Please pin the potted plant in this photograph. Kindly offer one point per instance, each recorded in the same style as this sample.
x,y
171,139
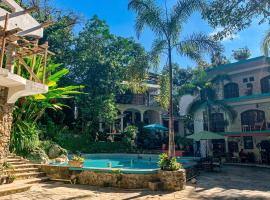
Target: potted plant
x,y
76,161
10,178
168,164
171,174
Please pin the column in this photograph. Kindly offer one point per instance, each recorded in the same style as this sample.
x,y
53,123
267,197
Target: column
x,y
141,112
100,125
133,117
122,121
160,118
5,124
226,145
11,53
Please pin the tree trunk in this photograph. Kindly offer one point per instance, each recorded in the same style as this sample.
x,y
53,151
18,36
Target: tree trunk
x,y
171,149
5,123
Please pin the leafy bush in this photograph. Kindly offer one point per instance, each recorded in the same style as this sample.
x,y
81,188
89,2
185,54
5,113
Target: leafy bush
x,y
24,137
168,164
241,54
78,158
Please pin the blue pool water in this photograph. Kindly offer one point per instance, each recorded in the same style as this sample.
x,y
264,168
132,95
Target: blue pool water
x,y
127,162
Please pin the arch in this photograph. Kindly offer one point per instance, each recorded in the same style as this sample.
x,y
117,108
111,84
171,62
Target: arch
x,y
249,90
151,117
254,119
231,90
131,116
265,84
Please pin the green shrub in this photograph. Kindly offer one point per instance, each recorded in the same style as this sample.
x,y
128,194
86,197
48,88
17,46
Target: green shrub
x,y
24,137
168,164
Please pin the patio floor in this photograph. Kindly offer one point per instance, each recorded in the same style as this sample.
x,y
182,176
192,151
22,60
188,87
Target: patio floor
x,y
233,183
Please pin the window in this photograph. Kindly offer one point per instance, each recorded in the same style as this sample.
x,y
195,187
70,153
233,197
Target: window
x,y
217,122
249,90
245,80
251,79
265,84
231,90
248,142
253,119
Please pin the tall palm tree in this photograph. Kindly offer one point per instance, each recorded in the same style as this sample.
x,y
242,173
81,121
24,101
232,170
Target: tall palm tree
x,y
266,44
167,24
203,87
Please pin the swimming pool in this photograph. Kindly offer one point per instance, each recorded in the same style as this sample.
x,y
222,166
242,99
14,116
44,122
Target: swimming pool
x,y
127,163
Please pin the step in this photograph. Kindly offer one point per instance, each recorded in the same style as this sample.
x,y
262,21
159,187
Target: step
x,y
34,180
14,159
20,176
18,162
22,170
13,188
27,165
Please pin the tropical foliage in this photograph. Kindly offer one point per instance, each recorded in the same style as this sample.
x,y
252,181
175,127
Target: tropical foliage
x,y
266,44
167,25
241,54
203,87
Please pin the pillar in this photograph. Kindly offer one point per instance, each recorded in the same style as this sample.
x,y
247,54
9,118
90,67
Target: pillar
x,y
226,145
122,121
11,54
141,116
133,117
100,125
160,118
5,123
181,128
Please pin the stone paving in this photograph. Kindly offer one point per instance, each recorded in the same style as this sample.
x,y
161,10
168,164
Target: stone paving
x,y
233,183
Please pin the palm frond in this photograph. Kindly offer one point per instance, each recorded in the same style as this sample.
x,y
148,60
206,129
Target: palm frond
x,y
197,44
148,14
157,49
266,44
195,106
181,12
226,108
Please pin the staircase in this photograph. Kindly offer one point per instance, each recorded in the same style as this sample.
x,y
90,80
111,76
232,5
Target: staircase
x,y
26,174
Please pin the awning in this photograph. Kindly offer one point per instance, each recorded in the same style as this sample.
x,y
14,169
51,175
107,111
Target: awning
x,y
156,127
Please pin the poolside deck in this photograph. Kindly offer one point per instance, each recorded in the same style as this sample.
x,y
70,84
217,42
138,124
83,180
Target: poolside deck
x,y
241,183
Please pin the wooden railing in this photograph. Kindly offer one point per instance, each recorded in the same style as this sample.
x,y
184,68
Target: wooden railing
x,y
15,49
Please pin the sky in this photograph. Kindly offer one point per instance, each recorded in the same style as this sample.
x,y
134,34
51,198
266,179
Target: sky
x,y
121,22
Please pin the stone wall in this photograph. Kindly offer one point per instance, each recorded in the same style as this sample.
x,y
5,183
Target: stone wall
x,y
170,180
5,123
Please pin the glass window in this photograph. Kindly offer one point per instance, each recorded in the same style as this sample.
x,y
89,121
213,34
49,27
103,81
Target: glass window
x,y
245,80
265,84
251,78
217,122
254,119
249,90
248,142
231,90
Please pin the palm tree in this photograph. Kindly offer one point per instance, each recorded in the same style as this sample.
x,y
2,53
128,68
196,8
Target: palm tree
x,y
266,43
167,24
203,87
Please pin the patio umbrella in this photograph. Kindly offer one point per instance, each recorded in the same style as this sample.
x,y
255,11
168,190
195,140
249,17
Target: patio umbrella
x,y
205,135
156,127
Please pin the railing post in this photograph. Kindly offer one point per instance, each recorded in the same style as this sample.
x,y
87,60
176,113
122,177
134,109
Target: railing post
x,y
3,41
45,63
33,60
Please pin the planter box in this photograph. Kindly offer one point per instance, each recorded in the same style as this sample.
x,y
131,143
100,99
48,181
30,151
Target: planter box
x,y
173,180
73,163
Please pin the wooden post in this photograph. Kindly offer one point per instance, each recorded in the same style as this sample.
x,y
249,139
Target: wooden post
x,y
19,68
33,61
45,63
3,41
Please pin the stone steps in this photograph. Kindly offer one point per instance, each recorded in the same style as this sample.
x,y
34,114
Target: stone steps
x,y
13,188
20,176
22,170
26,174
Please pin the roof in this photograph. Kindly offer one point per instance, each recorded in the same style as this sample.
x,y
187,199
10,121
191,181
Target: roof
x,y
246,98
232,65
249,133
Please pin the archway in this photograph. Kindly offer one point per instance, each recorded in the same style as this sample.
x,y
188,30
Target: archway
x,y
231,90
253,120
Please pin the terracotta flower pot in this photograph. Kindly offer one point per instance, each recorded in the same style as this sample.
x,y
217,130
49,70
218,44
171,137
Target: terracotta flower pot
x,y
74,163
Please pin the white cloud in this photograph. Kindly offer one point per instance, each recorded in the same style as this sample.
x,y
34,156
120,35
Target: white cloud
x,y
227,38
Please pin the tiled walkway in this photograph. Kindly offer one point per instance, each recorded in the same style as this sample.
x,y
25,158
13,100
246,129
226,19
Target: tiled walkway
x,y
233,183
